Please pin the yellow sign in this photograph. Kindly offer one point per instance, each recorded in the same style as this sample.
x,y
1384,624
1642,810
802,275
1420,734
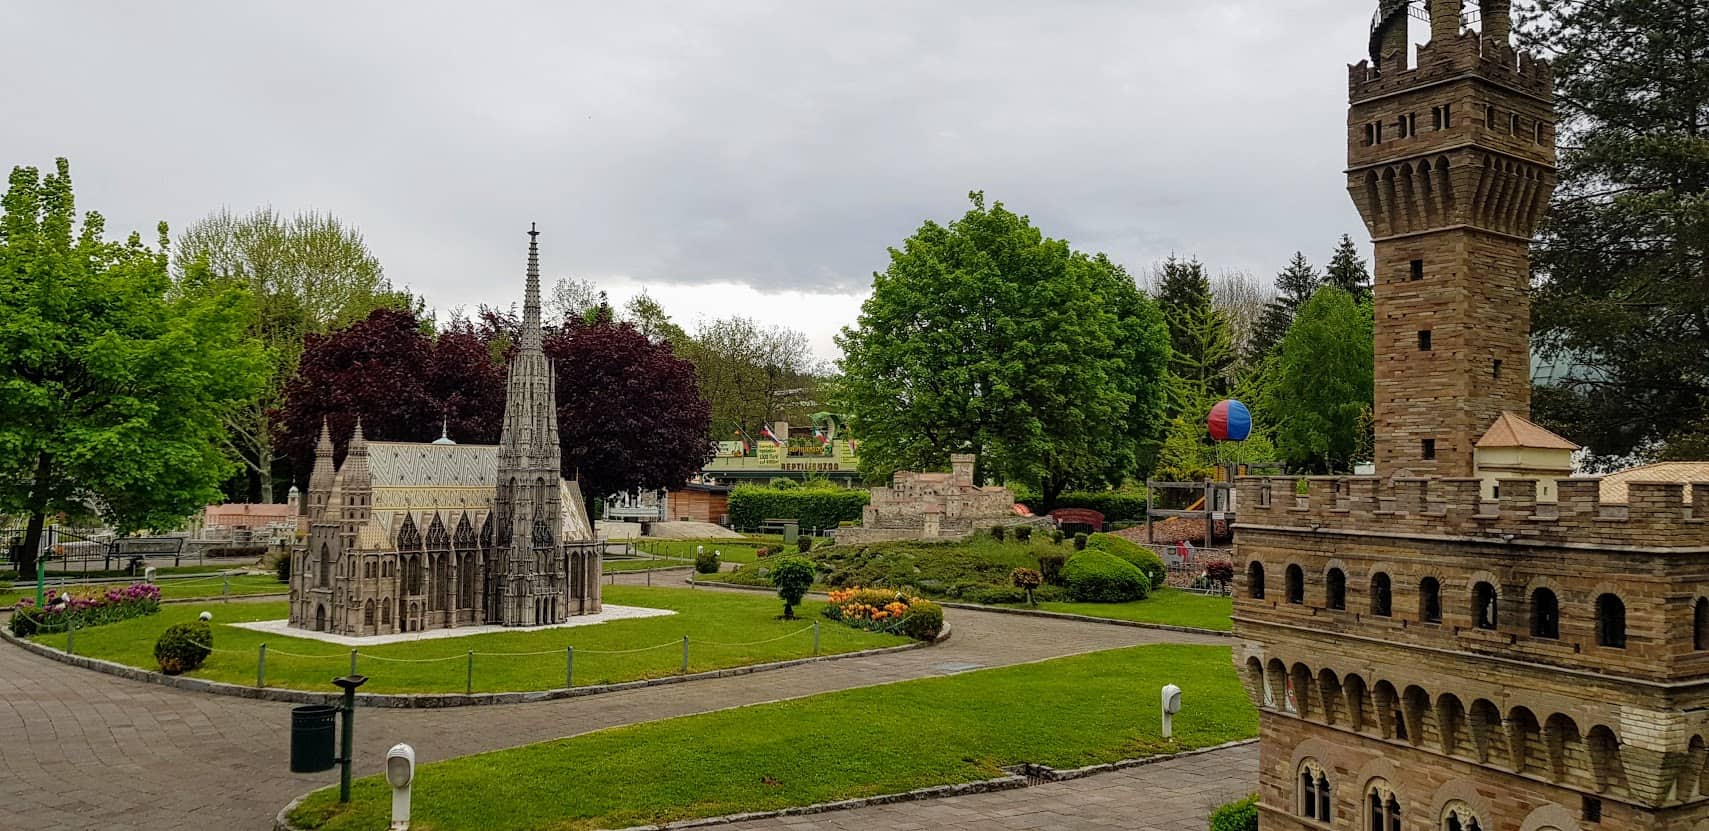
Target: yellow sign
x,y
768,454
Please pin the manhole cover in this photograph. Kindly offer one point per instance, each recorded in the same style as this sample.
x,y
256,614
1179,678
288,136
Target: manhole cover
x,y
952,667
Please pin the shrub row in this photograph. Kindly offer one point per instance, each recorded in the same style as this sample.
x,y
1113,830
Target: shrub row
x,y
85,610
820,507
1236,816
883,610
249,552
1125,505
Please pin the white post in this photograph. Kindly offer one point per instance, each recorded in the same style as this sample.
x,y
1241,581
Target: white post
x,y
400,773
1171,695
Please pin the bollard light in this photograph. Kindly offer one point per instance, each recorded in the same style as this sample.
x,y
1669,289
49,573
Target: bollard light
x,y
1171,706
205,616
400,772
148,574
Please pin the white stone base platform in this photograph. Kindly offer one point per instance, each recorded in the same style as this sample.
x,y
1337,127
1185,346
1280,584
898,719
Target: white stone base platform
x,y
606,614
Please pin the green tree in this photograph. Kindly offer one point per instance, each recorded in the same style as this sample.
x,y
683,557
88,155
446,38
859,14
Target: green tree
x,y
985,335
1201,346
1622,261
1294,286
1323,381
651,320
752,374
793,576
113,388
1347,271
309,274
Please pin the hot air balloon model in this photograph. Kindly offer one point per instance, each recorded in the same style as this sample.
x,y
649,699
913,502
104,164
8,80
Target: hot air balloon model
x,y
1229,421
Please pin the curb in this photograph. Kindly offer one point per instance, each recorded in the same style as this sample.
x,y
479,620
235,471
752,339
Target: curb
x,y
412,701
1024,775
1006,610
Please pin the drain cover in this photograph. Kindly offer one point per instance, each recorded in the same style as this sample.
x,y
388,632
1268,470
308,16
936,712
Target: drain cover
x,y
952,667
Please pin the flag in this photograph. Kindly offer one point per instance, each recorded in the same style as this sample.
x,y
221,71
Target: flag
x,y
765,430
820,435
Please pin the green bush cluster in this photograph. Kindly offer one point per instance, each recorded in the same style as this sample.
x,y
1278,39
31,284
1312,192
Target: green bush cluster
x,y
249,552
1124,505
184,646
813,507
1133,552
1024,533
924,620
1050,565
1236,816
1080,541
1095,576
282,568
706,562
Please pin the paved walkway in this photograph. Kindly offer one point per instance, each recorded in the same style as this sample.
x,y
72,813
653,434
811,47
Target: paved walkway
x,y
83,750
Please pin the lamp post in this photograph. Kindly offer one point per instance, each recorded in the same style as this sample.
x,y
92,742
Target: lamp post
x,y
400,772
347,741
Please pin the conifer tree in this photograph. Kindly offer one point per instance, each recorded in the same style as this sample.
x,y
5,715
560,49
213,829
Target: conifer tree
x,y
1294,286
1348,272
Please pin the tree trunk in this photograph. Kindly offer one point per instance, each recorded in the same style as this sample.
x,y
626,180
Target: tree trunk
x,y
26,558
264,460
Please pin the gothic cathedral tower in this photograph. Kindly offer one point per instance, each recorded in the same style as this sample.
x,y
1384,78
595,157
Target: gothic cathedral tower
x,y
1451,163
529,580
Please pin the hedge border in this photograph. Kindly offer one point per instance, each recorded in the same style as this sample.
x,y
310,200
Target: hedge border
x,y
427,701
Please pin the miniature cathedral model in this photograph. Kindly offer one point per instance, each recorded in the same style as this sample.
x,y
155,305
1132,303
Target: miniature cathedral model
x,y
407,536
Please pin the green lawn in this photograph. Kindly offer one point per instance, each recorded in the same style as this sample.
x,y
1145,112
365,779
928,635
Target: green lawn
x,y
210,586
1065,713
722,628
645,563
1170,606
734,550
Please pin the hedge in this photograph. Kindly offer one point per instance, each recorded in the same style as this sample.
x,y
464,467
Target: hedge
x,y
1133,552
1125,505
1095,576
1236,816
752,505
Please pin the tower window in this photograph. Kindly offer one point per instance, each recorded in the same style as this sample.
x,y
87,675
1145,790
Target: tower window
x,y
1382,601
1412,124
1370,134
1447,116
1417,269
1335,589
1424,340
1296,584
1610,621
1489,116
1495,369
1539,138
1436,118
1483,606
1545,615
1400,128
1379,127
1430,600
1513,125
1427,449
1591,808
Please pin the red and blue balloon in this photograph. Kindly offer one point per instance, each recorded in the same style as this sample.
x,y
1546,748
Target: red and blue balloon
x,y
1229,421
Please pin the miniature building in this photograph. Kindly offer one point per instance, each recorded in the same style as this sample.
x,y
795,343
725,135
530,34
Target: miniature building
x,y
407,536
1424,659
1514,448
930,505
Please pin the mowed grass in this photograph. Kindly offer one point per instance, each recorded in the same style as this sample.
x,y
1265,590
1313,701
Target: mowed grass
x,y
724,629
733,550
1167,606
1067,712
214,586
644,563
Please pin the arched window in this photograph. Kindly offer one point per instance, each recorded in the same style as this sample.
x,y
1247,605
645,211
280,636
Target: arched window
x,y
1430,600
1295,584
1382,599
1458,816
325,569
1255,580
1611,621
1314,792
1545,614
1335,589
1382,808
1700,624
368,613
386,611
1483,605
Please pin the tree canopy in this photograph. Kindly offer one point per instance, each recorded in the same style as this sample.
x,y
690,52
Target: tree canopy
x,y
1347,271
1294,286
1318,401
113,387
985,335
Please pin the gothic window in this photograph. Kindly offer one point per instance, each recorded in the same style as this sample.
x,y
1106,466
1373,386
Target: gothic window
x,y
1314,802
1700,624
1489,116
386,611
464,538
1430,600
1382,808
1458,816
1483,605
1382,600
437,538
1545,615
1513,125
1611,621
368,613
1295,584
325,569
408,537
1335,589
1539,133
1255,580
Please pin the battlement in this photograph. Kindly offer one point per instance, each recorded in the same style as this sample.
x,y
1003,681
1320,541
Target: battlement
x,y
1442,60
1655,515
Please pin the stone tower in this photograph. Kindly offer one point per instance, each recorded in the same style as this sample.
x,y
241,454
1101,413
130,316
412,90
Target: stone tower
x,y
1451,163
1423,658
529,581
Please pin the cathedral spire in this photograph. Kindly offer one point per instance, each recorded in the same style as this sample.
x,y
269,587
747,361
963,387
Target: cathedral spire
x,y
531,299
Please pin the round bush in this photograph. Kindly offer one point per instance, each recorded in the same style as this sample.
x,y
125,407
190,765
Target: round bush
x,y
997,532
1056,536
803,544
1133,552
706,562
1024,533
1050,567
1095,576
183,646
924,620
282,568
1080,541
1236,816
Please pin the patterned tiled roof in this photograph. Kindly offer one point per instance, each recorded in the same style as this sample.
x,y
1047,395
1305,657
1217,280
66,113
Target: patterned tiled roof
x,y
1510,430
422,479
397,464
1614,484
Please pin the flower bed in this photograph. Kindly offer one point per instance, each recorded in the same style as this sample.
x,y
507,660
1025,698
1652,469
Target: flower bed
x,y
85,609
883,610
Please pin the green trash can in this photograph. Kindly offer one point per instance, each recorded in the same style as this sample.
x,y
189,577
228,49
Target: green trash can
x,y
313,737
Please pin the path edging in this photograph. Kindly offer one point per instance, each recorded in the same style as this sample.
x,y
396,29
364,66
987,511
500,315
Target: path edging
x,y
429,700
1007,610
1023,776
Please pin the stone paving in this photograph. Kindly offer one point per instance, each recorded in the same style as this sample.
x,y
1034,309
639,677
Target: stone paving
x,y
83,750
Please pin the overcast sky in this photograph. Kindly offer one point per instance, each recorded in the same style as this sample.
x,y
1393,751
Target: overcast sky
x,y
753,157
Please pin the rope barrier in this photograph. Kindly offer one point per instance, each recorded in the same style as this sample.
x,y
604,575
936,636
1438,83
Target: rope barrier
x,y
757,643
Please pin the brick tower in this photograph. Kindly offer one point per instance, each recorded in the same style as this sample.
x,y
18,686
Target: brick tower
x,y
1451,164
1424,659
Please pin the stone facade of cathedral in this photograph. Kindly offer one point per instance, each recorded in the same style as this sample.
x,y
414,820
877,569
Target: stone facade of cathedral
x,y
404,537
1424,658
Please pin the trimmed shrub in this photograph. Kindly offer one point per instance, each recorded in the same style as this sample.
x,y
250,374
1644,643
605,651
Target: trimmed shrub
x,y
283,568
803,544
1026,580
924,620
817,507
1095,576
998,532
184,646
792,576
1133,552
1056,536
1220,571
1024,533
1236,816
996,595
1123,505
783,483
252,552
1050,567
1080,541
706,562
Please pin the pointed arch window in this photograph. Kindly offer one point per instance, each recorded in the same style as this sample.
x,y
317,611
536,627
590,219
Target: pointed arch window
x,y
324,570
1314,801
1382,807
1458,816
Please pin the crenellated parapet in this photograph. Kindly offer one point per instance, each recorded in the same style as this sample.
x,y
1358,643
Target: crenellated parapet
x,y
1656,514
1441,60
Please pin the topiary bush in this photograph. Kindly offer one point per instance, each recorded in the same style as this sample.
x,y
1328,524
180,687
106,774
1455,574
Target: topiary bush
x,y
1050,567
1236,816
1056,536
706,562
1080,541
1133,552
803,544
813,507
792,576
1220,571
1026,580
184,646
1024,533
998,532
923,621
283,568
1095,576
